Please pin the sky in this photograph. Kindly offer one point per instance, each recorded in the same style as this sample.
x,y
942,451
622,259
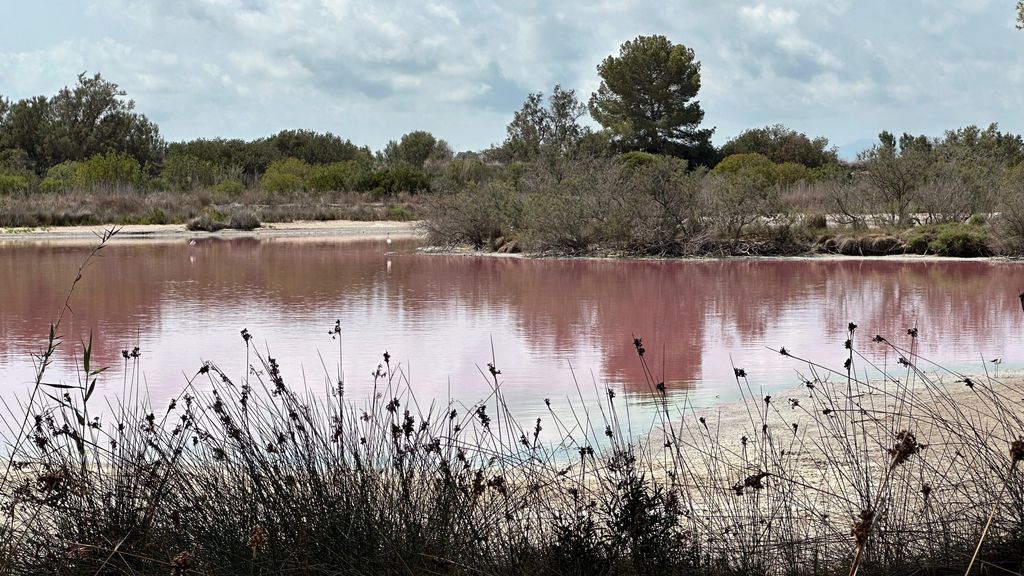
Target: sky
x,y
371,71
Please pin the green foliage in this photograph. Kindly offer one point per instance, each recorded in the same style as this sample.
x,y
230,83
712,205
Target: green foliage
x,y
79,122
392,180
550,132
314,147
646,99
462,172
636,159
754,169
228,187
962,240
416,149
25,127
781,145
111,170
12,183
895,172
186,172
400,214
743,192
337,176
155,216
285,176
788,173
251,158
15,160
63,177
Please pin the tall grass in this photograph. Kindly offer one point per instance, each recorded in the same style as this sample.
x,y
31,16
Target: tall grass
x,y
883,464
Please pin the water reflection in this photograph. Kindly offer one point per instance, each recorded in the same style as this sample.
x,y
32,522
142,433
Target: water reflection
x,y
440,315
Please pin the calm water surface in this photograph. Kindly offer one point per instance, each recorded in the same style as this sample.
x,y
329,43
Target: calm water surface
x,y
439,316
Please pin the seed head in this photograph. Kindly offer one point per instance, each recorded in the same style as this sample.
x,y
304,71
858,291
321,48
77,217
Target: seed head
x,y
258,539
1017,451
906,446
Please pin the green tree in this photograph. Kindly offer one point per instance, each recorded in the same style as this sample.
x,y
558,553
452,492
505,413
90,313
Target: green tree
x,y
314,147
24,126
416,149
552,131
781,144
895,170
1020,15
186,172
646,99
250,158
94,117
285,176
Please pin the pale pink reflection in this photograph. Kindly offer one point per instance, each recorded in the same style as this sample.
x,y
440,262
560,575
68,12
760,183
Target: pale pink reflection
x,y
439,316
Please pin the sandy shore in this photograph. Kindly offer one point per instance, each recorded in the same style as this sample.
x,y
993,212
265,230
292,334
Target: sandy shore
x,y
325,229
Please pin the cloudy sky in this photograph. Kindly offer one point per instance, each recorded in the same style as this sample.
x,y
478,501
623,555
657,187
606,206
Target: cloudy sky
x,y
372,71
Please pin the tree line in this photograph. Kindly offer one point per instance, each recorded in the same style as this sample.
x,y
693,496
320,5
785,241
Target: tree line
x,y
649,124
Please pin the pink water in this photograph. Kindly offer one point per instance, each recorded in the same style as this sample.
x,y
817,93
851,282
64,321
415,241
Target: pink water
x,y
439,316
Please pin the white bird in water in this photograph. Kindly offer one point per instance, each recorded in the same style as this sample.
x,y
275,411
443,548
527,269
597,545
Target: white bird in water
x,y
191,242
388,239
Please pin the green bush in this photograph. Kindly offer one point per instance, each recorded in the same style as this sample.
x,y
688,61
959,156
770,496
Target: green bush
x,y
390,181
11,183
285,176
400,214
110,170
335,177
186,172
281,183
63,177
962,240
155,216
229,187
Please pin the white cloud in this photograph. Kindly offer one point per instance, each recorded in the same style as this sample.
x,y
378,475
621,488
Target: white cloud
x,y
372,70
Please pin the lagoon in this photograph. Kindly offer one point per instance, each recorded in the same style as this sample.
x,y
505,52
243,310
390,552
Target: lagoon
x,y
556,328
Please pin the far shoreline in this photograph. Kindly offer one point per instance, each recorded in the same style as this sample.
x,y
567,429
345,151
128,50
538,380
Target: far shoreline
x,y
357,229
810,256
326,229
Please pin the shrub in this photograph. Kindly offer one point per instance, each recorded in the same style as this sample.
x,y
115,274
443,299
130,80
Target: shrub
x,y
110,170
335,177
398,178
461,172
477,215
400,214
155,216
962,240
63,177
281,183
205,223
285,176
246,220
11,183
186,172
228,187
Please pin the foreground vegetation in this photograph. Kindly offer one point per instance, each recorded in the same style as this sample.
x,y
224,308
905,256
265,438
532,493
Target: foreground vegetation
x,y
865,469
